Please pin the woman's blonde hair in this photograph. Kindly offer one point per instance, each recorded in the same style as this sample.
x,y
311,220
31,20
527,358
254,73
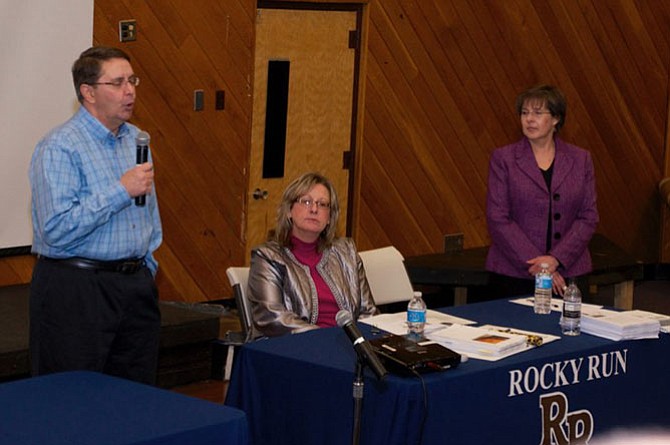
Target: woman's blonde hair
x,y
298,188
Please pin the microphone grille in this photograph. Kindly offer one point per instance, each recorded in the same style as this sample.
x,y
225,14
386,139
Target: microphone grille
x,y
343,317
142,138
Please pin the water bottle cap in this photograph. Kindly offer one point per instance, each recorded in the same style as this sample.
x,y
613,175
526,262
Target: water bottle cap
x,y
418,294
544,265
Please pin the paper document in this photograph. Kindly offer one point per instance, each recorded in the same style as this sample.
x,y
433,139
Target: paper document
x,y
556,304
489,342
479,342
397,323
533,338
664,320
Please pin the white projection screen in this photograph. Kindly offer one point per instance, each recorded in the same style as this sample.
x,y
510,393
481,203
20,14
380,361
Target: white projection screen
x,y
40,41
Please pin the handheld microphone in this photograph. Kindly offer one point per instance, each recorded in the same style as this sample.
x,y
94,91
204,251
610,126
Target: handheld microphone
x,y
365,352
142,142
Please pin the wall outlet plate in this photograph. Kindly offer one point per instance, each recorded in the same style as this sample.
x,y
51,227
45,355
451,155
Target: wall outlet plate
x,y
453,242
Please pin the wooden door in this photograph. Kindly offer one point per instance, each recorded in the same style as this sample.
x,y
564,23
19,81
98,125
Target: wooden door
x,y
319,110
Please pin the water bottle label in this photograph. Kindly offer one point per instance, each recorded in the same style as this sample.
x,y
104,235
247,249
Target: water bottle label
x,y
416,316
543,281
572,310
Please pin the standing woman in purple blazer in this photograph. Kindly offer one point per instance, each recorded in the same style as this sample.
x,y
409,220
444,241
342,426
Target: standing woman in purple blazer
x,y
541,199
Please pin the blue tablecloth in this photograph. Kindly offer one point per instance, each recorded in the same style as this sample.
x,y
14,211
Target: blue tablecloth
x,y
298,389
89,408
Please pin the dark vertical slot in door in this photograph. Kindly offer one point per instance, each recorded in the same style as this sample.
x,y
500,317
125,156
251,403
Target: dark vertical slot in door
x,y
274,148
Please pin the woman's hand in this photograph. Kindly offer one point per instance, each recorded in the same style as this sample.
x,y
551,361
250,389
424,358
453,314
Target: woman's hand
x,y
557,280
558,283
535,264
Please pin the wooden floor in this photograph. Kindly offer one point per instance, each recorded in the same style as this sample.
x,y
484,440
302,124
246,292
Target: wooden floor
x,y
211,390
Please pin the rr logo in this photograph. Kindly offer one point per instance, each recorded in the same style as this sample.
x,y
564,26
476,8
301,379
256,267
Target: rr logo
x,y
560,427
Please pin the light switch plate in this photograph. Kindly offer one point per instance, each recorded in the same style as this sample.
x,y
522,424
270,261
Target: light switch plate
x,y
198,100
127,30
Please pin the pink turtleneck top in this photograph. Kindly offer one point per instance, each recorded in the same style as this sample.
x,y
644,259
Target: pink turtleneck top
x,y
308,255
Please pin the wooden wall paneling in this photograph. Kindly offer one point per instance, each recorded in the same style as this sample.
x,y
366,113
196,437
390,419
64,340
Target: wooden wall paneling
x,y
434,102
630,140
664,245
664,202
643,66
465,115
16,269
403,174
412,116
385,196
477,24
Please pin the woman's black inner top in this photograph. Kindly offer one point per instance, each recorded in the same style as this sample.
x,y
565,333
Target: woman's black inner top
x,y
548,173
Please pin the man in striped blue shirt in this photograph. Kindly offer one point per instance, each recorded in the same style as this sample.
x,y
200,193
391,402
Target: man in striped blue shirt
x,y
93,302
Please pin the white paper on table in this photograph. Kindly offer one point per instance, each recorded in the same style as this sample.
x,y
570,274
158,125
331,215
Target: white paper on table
x,y
397,323
556,304
621,325
663,319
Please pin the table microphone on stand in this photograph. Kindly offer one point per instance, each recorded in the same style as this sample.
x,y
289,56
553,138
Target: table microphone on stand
x,y
366,356
365,351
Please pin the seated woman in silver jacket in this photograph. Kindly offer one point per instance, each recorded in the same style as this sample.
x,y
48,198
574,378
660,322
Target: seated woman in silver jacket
x,y
304,274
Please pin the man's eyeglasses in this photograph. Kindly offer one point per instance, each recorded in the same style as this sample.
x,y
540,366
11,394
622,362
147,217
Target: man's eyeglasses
x,y
118,83
309,203
534,113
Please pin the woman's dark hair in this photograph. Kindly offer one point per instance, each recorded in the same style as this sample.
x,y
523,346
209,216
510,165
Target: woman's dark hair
x,y
548,95
86,69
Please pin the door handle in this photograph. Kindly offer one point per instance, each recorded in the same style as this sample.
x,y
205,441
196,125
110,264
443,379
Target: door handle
x,y
260,194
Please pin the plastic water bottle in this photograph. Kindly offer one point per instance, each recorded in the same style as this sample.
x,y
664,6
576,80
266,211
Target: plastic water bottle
x,y
571,319
542,299
416,315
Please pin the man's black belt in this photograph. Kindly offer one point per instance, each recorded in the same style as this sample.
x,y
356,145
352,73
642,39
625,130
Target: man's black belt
x,y
127,266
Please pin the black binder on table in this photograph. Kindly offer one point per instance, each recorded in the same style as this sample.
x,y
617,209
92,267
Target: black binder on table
x,y
405,356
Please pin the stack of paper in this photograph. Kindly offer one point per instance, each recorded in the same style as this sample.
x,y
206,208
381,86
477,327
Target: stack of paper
x,y
664,320
480,342
620,325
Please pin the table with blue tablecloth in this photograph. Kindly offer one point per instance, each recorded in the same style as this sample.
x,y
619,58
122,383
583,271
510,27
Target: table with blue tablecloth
x,y
298,389
83,407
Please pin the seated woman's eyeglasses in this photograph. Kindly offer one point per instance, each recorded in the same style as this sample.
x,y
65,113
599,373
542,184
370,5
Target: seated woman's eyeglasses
x,y
308,203
121,81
